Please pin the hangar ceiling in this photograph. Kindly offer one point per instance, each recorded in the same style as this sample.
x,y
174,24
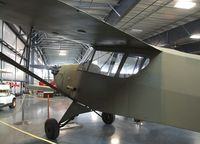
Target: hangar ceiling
x,y
144,19
60,50
151,17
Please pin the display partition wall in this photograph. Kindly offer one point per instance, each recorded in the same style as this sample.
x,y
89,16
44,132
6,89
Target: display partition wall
x,y
14,43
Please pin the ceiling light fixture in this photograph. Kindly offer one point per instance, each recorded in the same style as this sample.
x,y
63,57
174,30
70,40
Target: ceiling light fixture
x,y
185,4
136,30
62,53
195,36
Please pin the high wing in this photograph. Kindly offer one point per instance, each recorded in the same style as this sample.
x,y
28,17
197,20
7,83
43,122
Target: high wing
x,y
166,92
58,18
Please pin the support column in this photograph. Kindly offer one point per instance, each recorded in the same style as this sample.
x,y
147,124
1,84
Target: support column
x,y
32,63
29,45
1,77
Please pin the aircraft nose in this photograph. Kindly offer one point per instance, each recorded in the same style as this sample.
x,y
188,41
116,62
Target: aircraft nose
x,y
55,70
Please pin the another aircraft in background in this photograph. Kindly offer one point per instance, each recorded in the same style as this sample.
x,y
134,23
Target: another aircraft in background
x,y
133,80
4,71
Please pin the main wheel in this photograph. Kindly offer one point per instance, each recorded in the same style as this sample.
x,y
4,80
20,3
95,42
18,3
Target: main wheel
x,y
13,105
137,120
108,118
52,129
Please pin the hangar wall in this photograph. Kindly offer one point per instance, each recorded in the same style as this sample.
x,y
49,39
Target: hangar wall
x,y
13,46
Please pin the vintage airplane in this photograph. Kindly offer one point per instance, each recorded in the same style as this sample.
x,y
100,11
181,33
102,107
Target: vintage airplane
x,y
41,86
136,80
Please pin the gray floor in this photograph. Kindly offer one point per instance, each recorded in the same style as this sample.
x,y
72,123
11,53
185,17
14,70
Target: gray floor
x,y
86,128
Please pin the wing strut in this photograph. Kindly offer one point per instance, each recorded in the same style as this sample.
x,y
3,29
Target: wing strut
x,y
51,125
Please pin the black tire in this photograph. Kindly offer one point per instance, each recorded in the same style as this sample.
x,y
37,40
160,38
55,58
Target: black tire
x,y
108,118
51,129
137,120
13,105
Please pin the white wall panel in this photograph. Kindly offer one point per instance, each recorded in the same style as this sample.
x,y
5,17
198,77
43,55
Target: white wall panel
x,y
10,68
20,75
9,36
20,46
8,52
0,28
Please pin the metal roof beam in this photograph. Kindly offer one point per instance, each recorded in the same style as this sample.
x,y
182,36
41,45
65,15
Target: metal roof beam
x,y
88,4
176,36
190,48
120,11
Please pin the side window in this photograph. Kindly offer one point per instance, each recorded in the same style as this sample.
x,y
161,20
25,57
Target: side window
x,y
109,63
102,60
146,62
105,63
84,63
133,65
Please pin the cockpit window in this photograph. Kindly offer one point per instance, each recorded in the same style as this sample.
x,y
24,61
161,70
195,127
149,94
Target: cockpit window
x,y
146,62
115,64
133,65
108,62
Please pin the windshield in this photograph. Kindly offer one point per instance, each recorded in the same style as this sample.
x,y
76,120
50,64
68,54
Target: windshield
x,y
108,62
115,64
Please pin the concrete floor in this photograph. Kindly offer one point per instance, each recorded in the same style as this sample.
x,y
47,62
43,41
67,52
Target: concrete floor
x,y
86,128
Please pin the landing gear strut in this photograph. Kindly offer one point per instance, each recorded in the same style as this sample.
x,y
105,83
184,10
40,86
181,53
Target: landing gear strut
x,y
52,127
108,118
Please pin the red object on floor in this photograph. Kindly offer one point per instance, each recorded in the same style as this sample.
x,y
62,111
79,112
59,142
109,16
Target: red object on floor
x,y
45,95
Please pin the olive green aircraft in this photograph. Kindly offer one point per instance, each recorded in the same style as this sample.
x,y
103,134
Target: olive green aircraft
x,y
122,76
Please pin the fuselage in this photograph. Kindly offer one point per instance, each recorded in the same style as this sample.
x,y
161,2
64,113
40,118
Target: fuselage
x,y
167,91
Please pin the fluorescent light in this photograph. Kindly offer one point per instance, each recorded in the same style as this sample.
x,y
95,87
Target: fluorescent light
x,y
115,140
94,117
195,36
136,30
95,62
185,4
62,53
